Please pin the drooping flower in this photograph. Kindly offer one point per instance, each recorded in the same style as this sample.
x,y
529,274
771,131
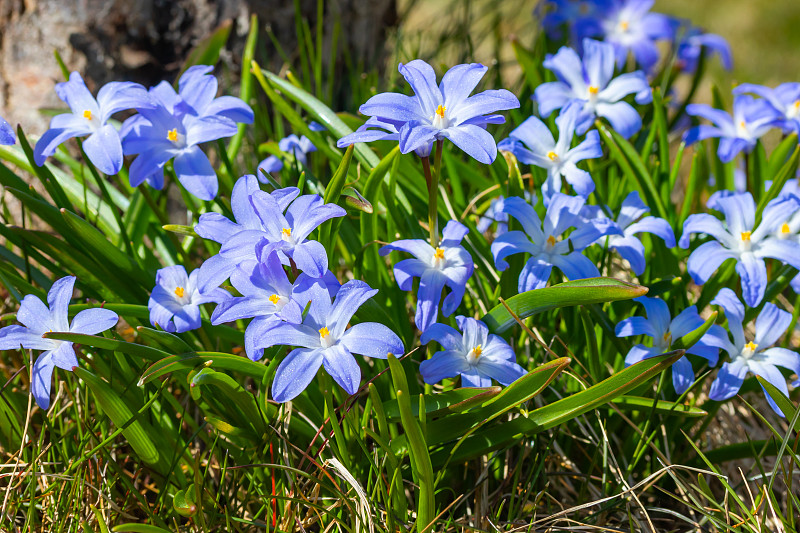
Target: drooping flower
x,y
694,41
299,148
476,355
38,319
785,99
544,242
631,28
631,221
754,356
175,302
590,82
7,135
267,297
751,120
240,237
288,234
441,112
448,265
323,339
90,117
738,239
663,329
174,129
533,144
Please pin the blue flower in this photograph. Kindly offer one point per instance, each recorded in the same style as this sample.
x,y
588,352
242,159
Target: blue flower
x,y
477,355
694,41
377,129
754,356
738,239
751,120
90,117
323,339
174,304
494,214
441,112
449,264
663,329
7,135
629,222
174,129
267,297
297,147
590,82
533,144
559,12
38,319
785,99
543,240
631,28
240,237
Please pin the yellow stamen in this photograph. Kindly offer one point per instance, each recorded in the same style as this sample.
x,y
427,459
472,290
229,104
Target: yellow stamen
x,y
552,155
743,125
797,104
324,332
172,134
286,232
440,111
624,25
87,115
179,292
275,299
785,228
593,90
477,351
551,240
751,346
439,253
746,236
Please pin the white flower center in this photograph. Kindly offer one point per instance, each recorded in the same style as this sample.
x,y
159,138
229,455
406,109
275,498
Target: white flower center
x,y
439,119
746,243
176,138
749,350
182,296
474,354
439,260
278,301
326,340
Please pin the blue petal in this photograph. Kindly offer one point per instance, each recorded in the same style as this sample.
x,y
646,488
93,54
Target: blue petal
x,y
551,96
682,375
231,108
484,103
636,325
422,78
623,118
706,259
105,149
350,297
196,174
295,373
729,380
311,258
510,243
428,297
42,378
656,226
734,312
372,340
58,298
631,249
443,365
7,135
393,106
93,321
447,337
534,275
657,313
459,81
504,372
771,323
342,367
14,337
51,139
576,266
753,272
687,321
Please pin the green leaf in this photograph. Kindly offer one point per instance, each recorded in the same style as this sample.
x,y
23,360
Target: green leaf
x,y
140,435
578,292
180,230
188,361
136,350
231,395
784,404
662,407
207,51
168,341
184,503
452,401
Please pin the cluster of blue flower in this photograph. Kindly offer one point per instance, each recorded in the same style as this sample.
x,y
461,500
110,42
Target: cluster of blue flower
x,y
293,299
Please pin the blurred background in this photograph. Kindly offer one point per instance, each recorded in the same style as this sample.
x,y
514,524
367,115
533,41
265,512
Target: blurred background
x,y
148,40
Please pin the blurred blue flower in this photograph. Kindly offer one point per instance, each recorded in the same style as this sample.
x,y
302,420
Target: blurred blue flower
x,y
90,117
750,121
174,128
694,41
494,213
445,111
38,319
174,304
476,355
590,82
663,329
630,221
755,356
323,339
738,239
631,28
785,99
448,265
7,135
543,240
532,143
554,14
291,144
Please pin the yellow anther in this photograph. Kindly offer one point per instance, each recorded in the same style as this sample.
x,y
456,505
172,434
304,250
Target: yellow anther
x,y
751,346
593,90
477,351
172,134
552,155
286,232
624,25
551,240
87,115
785,228
797,104
746,236
668,338
439,253
743,125
440,111
179,292
324,332
275,299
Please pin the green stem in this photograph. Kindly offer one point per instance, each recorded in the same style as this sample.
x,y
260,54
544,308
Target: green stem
x,y
433,192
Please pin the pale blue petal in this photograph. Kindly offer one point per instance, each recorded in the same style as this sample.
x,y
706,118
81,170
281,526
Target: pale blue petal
x,y
295,373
